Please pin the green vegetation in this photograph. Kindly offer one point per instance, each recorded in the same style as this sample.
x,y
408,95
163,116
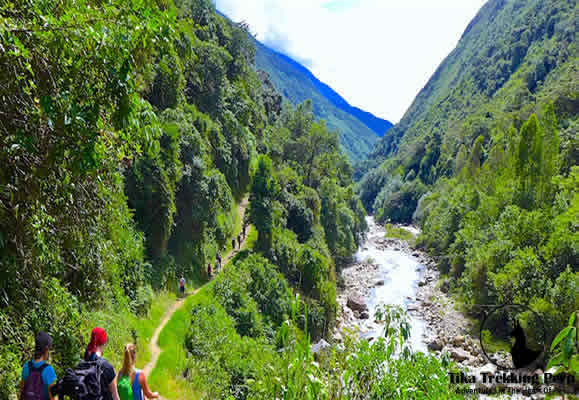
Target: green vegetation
x,y
398,233
130,131
225,364
566,357
485,160
167,377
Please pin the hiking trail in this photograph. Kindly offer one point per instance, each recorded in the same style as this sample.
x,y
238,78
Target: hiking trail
x,y
153,345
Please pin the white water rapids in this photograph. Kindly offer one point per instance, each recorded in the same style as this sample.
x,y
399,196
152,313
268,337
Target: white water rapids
x,y
401,273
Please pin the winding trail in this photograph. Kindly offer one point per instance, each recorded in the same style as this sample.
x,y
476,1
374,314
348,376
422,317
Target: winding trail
x,y
153,345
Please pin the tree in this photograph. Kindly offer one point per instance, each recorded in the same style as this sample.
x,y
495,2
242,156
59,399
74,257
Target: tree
x,y
475,159
264,193
529,160
551,144
460,160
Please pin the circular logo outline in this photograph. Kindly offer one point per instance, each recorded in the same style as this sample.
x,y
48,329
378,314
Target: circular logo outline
x,y
495,309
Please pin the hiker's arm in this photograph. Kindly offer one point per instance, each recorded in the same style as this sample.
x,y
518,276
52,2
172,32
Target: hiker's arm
x,y
145,387
113,389
50,395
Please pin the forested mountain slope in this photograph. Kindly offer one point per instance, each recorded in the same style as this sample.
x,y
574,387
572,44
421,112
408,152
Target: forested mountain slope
x,y
513,56
485,159
129,131
358,129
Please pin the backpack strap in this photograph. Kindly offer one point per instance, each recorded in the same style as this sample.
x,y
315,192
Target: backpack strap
x,y
41,369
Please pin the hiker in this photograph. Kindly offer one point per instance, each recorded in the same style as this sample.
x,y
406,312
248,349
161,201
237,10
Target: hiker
x,y
244,229
233,244
132,383
209,270
182,286
239,241
38,377
218,257
94,352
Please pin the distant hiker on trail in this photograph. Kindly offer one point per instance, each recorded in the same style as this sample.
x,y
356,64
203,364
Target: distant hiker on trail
x,y
94,352
244,229
239,241
209,270
218,258
38,377
233,244
132,383
182,286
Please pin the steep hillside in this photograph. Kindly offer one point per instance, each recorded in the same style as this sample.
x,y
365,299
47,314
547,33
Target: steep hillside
x,y
486,161
512,57
126,141
358,129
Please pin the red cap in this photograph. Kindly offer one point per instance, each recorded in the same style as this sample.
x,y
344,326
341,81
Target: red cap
x,y
98,337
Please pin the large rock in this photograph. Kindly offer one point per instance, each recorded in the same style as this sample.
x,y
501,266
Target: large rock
x,y
459,355
364,315
435,345
458,340
320,346
356,303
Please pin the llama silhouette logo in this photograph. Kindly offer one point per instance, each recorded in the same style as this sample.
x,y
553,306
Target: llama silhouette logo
x,y
512,336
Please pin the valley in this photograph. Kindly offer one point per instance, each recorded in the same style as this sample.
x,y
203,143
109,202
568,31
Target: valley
x,y
141,141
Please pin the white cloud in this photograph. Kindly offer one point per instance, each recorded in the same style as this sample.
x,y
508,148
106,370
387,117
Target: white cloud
x,y
376,53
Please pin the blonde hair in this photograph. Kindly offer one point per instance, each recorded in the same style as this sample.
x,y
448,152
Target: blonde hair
x,y
129,359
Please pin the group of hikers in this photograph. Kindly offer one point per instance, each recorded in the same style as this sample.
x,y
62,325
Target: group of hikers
x,y
93,378
235,245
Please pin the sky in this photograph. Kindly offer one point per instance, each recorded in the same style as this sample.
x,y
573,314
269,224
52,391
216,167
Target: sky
x,y
377,54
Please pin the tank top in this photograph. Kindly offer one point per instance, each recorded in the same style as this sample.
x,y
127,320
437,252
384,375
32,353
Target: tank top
x,y
137,390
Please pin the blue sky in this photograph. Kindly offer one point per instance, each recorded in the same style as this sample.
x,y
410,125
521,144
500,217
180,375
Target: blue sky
x,y
376,53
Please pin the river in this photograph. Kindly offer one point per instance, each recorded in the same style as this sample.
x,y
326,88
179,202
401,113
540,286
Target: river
x,y
385,271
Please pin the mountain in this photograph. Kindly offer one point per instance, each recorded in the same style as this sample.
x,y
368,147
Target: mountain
x,y
513,56
358,129
486,161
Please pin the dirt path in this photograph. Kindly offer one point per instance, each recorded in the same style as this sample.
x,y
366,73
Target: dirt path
x,y
153,345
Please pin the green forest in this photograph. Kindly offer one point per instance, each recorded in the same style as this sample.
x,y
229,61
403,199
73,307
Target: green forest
x,y
485,161
132,130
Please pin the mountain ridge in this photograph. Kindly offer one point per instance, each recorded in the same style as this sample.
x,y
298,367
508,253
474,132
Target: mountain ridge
x,y
358,129
377,124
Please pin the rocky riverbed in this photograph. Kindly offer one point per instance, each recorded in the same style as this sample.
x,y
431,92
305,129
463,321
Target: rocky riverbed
x,y
389,271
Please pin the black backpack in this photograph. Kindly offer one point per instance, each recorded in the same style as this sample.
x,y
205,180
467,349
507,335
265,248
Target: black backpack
x,y
33,387
82,382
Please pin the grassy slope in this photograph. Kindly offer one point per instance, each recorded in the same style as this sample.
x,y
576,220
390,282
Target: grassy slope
x,y
167,376
356,138
120,326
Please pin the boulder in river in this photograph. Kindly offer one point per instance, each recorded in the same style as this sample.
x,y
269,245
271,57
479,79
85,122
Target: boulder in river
x,y
435,345
380,282
459,355
458,340
356,303
364,315
320,346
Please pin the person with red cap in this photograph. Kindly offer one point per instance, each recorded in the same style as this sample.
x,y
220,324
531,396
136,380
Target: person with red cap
x,y
94,351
